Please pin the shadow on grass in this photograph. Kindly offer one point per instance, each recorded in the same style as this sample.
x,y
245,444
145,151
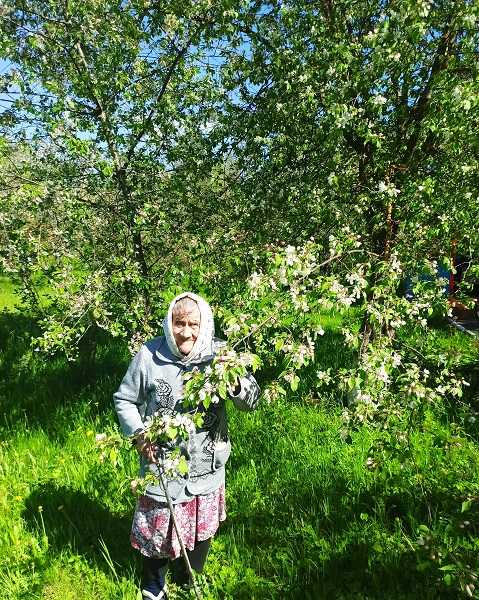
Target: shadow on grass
x,y
72,520
327,530
318,556
44,391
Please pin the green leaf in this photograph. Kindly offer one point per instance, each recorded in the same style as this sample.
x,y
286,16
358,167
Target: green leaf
x,y
223,390
450,567
182,466
255,362
294,383
198,420
172,433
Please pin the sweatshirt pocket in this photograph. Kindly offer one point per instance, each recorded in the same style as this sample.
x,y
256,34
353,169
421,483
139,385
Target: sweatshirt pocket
x,y
222,453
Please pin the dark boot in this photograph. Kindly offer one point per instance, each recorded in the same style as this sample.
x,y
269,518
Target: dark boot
x,y
153,586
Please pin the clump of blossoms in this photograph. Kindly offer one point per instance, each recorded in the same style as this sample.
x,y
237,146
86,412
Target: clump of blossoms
x,y
291,270
165,431
297,354
385,387
109,446
161,428
285,301
205,387
202,388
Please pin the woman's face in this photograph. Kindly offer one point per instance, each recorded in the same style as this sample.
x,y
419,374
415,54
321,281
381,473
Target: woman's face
x,y
186,327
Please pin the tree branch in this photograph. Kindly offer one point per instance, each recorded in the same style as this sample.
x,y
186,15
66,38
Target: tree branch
x,y
101,110
419,110
146,124
119,167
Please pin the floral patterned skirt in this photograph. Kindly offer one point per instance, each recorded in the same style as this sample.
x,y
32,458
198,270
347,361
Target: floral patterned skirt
x,y
154,535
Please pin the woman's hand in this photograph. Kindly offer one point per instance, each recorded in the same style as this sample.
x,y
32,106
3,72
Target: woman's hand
x,y
146,448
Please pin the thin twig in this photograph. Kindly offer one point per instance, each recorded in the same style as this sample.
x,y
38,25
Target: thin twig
x,y
178,533
412,349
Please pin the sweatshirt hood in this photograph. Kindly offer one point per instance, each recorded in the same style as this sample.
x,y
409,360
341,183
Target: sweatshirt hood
x,y
203,348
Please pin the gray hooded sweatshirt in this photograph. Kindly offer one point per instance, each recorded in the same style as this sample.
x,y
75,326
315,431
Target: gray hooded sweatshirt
x,y
154,384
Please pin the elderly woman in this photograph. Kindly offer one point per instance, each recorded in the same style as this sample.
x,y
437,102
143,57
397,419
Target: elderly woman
x,y
153,384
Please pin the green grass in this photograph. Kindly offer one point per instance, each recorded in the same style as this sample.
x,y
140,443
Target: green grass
x,y
306,518
9,299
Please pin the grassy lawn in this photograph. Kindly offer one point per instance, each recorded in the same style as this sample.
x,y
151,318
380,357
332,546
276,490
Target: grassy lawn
x,y
9,299
306,518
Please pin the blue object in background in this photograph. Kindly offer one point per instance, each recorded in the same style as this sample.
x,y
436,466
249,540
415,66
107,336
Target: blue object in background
x,y
441,272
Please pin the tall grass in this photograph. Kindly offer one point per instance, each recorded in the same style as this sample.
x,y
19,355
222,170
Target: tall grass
x,y
306,517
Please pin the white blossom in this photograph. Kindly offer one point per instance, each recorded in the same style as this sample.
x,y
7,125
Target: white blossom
x,y
388,188
379,100
396,359
291,256
254,281
382,374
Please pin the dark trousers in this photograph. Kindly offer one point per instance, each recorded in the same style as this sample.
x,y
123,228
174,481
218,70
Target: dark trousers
x,y
154,569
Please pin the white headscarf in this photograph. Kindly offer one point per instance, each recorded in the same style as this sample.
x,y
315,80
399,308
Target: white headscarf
x,y
203,347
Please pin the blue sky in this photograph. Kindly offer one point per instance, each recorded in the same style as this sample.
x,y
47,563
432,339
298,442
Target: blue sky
x,y
4,98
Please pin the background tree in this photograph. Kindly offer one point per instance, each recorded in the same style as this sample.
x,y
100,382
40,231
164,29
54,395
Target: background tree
x,y
115,102
353,108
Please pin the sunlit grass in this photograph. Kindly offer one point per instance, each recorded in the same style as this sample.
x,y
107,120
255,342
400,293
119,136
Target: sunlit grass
x,y
9,298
